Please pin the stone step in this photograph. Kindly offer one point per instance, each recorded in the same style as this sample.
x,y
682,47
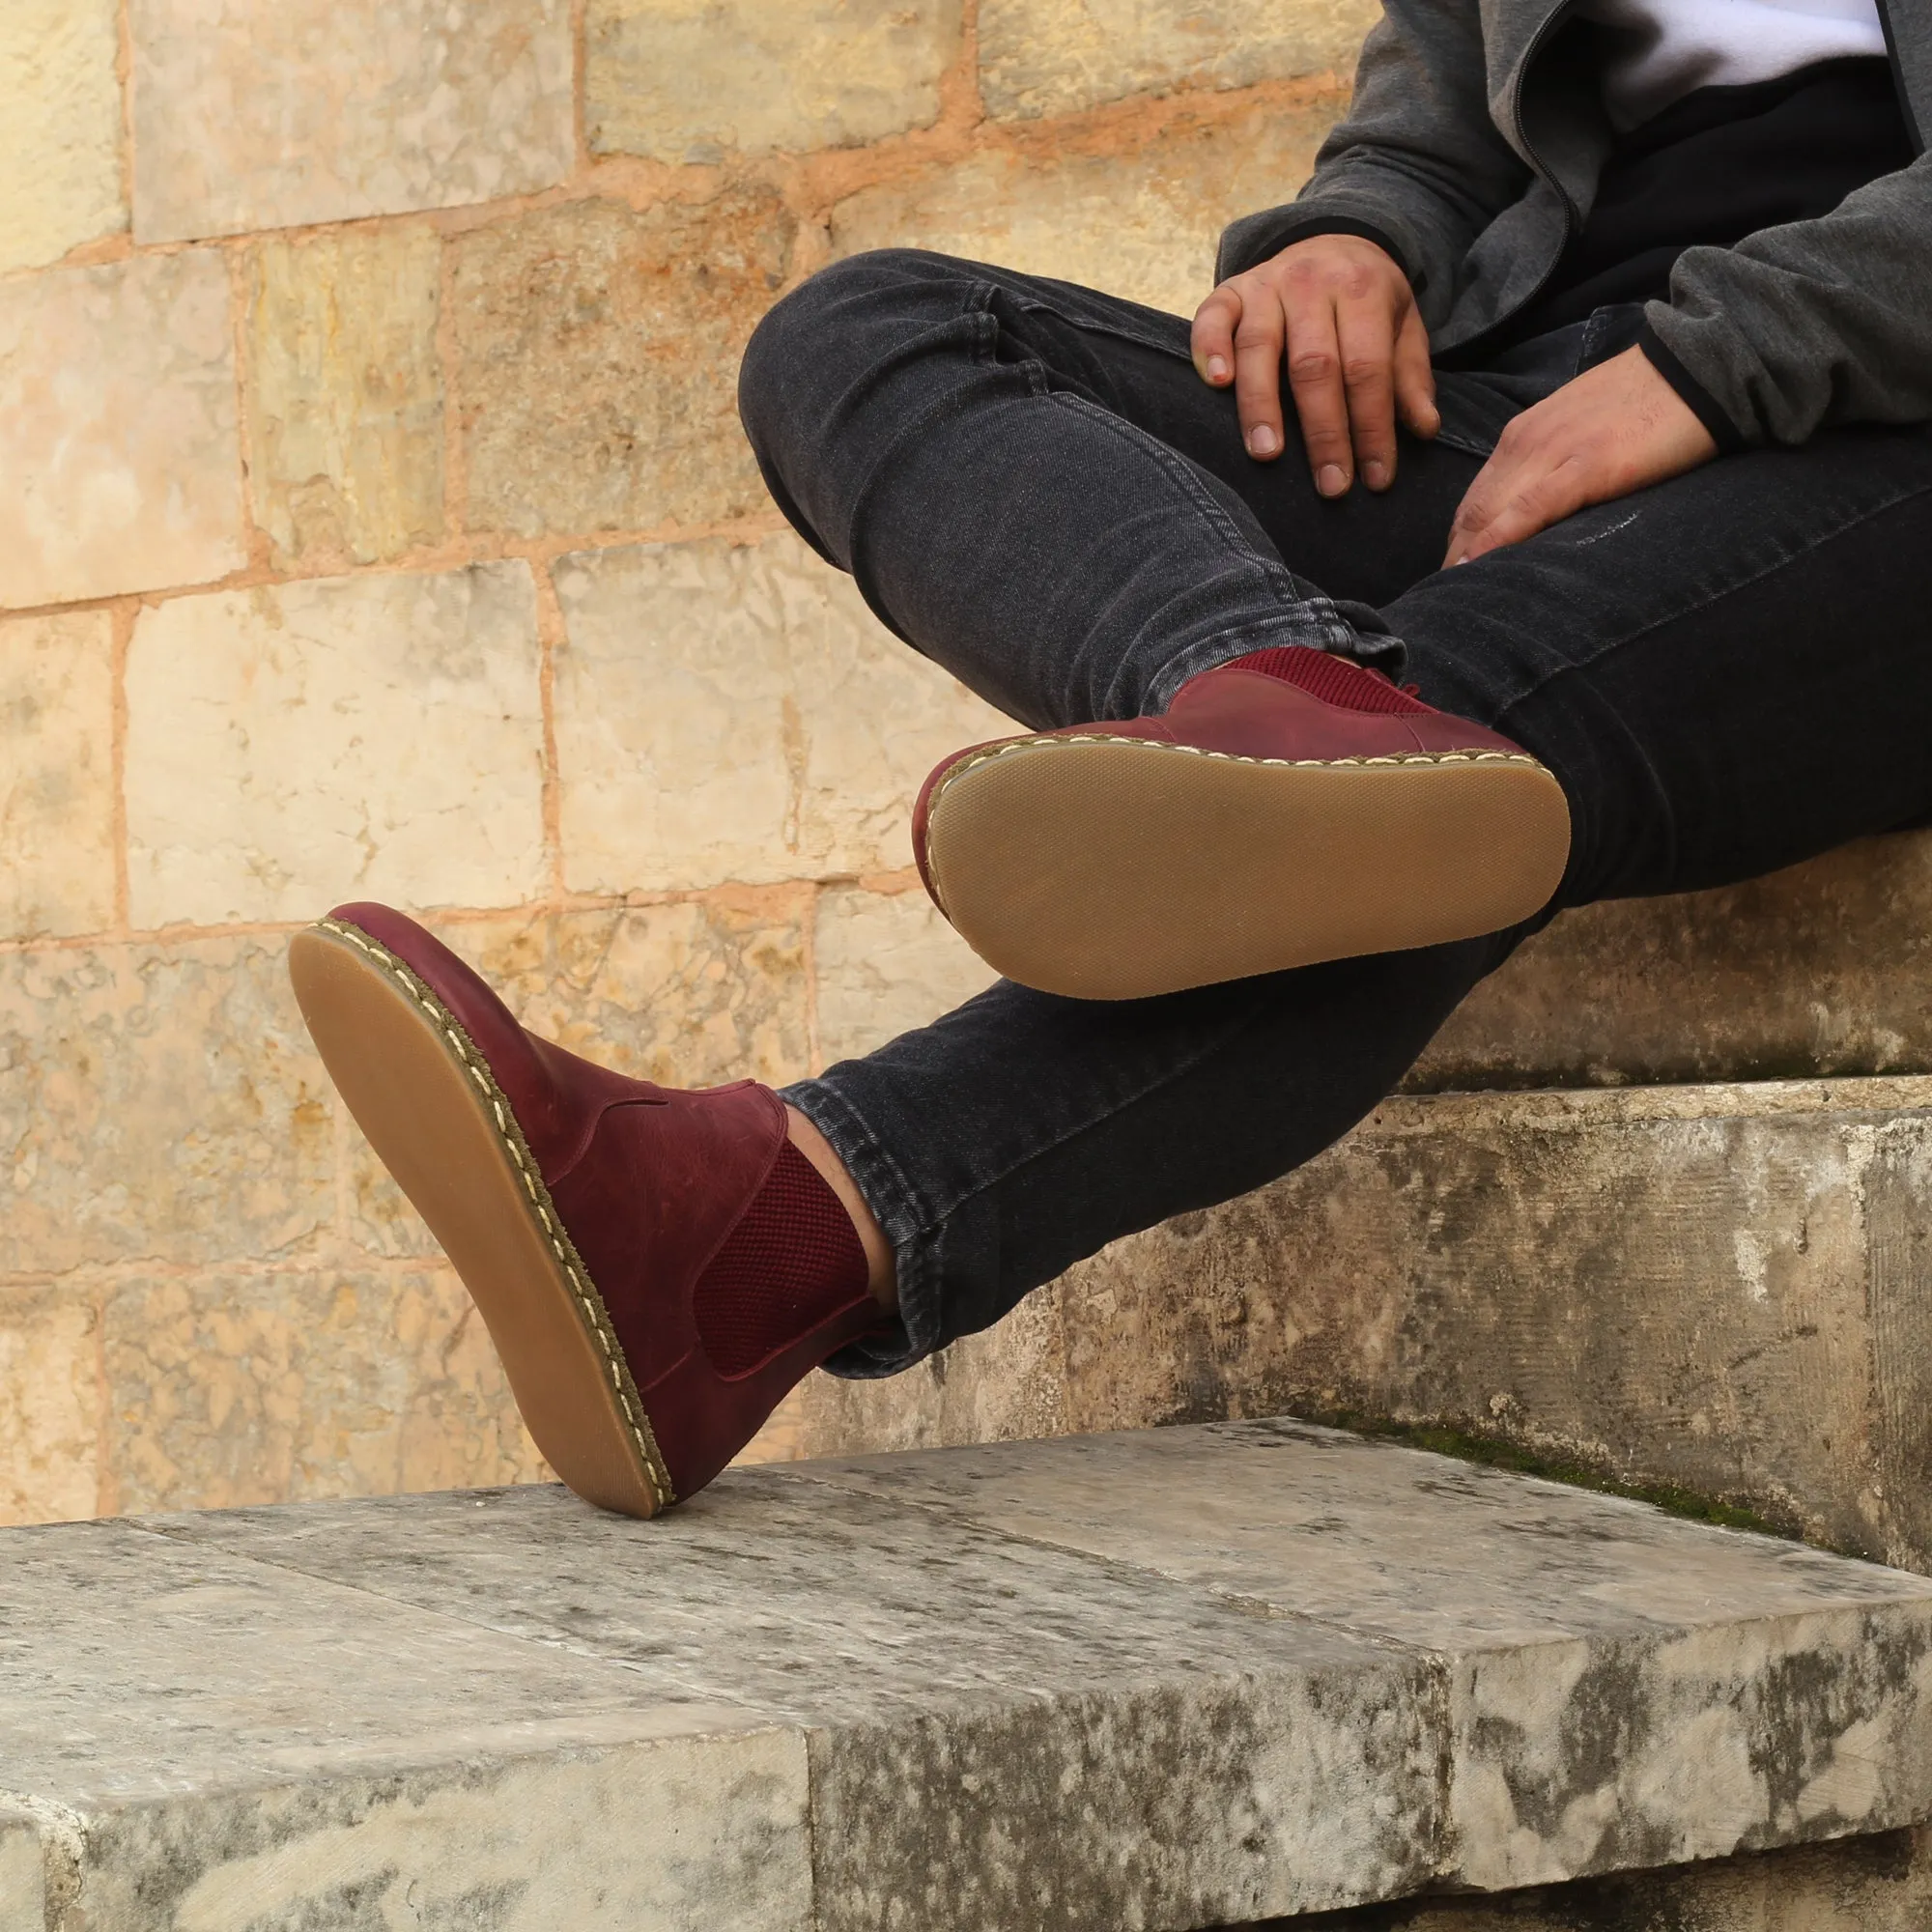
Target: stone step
x,y
1818,970
1722,1290
1877,1884
1182,1678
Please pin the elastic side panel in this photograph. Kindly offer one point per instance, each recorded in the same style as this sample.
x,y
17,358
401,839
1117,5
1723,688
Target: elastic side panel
x,y
792,1262
1337,681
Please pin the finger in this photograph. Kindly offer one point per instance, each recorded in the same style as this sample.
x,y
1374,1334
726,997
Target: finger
x,y
1492,487
1533,498
1535,505
1368,380
1321,402
1213,336
1518,518
1517,457
1416,377
1257,348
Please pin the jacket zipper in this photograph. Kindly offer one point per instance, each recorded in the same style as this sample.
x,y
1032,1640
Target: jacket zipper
x,y
1898,80
1573,216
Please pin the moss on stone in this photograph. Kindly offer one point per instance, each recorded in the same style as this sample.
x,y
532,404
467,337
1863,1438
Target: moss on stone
x,y
1498,1453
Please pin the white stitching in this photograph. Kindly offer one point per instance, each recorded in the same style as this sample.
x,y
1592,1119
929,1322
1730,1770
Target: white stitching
x,y
511,1136
1237,758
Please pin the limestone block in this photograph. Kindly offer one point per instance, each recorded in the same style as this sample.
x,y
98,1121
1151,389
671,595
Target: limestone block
x,y
1193,1676
732,712
346,401
50,1424
1607,1708
873,719
1716,1288
1142,225
692,80
57,782
117,412
158,1103
1877,1884
887,962
1039,57
231,1389
23,1882
691,994
229,1744
60,130
529,1843
293,747
999,1727
1823,968
324,110
598,352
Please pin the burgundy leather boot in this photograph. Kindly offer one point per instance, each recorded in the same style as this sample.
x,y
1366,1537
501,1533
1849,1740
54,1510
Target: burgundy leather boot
x,y
657,1268
1289,807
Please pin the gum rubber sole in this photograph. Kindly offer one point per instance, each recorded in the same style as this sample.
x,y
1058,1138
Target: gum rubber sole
x,y
424,1096
1116,869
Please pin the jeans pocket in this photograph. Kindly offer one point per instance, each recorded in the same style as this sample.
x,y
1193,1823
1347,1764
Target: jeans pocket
x,y
1609,331
1101,314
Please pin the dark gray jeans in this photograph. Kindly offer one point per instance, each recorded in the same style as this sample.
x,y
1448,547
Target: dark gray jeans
x,y
1727,673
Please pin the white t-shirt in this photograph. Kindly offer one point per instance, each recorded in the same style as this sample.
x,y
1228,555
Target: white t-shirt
x,y
1668,47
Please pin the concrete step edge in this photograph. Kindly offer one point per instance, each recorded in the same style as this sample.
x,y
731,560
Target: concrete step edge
x,y
1170,1679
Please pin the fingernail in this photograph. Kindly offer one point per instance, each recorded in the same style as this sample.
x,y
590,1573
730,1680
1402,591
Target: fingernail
x,y
1376,475
1330,480
1261,441
1218,369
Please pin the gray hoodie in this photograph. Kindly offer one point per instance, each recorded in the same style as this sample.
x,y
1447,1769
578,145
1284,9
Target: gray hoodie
x,y
1474,146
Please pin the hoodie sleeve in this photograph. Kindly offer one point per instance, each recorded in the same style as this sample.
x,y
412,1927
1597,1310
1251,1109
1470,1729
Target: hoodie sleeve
x,y
1817,323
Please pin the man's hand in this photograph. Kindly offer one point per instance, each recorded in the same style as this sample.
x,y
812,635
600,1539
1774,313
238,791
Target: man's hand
x,y
1338,311
1616,428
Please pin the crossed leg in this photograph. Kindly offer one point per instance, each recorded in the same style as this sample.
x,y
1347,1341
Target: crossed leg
x,y
1031,486
1724,674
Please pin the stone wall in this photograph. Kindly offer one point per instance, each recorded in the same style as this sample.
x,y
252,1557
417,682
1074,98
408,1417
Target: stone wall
x,y
374,522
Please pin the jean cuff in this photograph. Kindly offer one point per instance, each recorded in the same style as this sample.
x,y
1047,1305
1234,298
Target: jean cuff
x,y
915,1332
1322,624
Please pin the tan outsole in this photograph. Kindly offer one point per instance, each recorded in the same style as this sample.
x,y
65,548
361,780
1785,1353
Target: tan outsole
x,y
1116,869
424,1095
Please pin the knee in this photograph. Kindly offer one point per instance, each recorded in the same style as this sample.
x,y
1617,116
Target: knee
x,y
819,338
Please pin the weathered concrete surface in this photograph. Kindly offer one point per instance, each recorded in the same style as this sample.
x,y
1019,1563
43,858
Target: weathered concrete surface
x,y
1575,1670
1823,968
1717,1288
1881,1884
1184,1678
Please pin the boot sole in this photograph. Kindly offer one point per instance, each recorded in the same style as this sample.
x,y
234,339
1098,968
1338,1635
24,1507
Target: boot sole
x,y
1116,869
431,1108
